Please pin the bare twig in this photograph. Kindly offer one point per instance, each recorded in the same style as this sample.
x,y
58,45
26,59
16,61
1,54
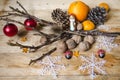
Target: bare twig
x,y
14,14
94,33
16,10
20,45
41,21
17,14
22,7
11,20
44,55
39,46
4,16
66,34
48,36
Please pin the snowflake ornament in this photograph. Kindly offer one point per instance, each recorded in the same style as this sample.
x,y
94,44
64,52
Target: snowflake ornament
x,y
51,66
106,43
92,64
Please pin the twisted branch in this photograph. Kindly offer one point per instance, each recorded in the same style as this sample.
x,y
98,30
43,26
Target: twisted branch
x,y
44,55
94,33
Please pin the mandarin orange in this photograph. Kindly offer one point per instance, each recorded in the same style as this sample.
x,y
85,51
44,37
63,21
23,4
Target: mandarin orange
x,y
104,5
88,25
79,10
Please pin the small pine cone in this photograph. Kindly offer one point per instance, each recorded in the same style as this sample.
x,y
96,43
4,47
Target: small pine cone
x,y
97,15
61,17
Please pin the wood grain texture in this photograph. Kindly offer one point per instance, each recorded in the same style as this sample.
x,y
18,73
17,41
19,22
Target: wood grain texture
x,y
14,63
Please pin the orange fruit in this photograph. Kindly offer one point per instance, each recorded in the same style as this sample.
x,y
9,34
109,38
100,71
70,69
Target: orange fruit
x,y
88,25
104,5
79,10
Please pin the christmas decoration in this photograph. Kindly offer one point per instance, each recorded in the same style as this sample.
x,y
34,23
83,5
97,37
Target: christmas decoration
x,y
97,15
51,66
68,54
76,28
92,64
61,17
79,9
72,23
61,47
88,25
101,53
43,39
76,53
77,38
24,39
106,43
71,44
30,24
10,29
43,56
89,39
79,26
25,50
104,5
65,33
84,46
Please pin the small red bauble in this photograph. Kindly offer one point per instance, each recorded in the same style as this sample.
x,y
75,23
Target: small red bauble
x,y
30,24
68,54
10,29
101,53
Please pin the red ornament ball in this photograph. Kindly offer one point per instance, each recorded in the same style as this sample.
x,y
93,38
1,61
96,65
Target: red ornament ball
x,y
68,54
30,24
101,53
10,29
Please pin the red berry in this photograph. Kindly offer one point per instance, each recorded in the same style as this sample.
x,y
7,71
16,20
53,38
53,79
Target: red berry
x,y
101,53
68,54
30,24
10,29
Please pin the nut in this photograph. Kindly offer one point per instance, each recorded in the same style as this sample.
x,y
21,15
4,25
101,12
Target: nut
x,y
77,38
71,43
61,47
84,46
79,26
43,39
89,39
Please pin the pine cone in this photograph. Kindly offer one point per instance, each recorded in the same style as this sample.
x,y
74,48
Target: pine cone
x,y
61,17
97,15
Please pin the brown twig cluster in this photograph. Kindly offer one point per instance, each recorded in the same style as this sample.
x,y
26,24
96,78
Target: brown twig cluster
x,y
64,34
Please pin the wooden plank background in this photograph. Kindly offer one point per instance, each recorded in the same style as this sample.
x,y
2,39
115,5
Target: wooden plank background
x,y
14,63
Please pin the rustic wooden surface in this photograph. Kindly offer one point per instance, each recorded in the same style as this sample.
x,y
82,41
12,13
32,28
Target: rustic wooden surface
x,y
14,63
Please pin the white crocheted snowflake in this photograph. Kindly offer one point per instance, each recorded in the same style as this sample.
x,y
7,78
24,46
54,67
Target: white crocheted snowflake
x,y
106,43
92,64
51,66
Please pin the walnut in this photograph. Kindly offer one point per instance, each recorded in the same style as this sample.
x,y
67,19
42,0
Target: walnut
x,y
61,47
84,46
77,38
71,43
79,26
43,39
89,39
